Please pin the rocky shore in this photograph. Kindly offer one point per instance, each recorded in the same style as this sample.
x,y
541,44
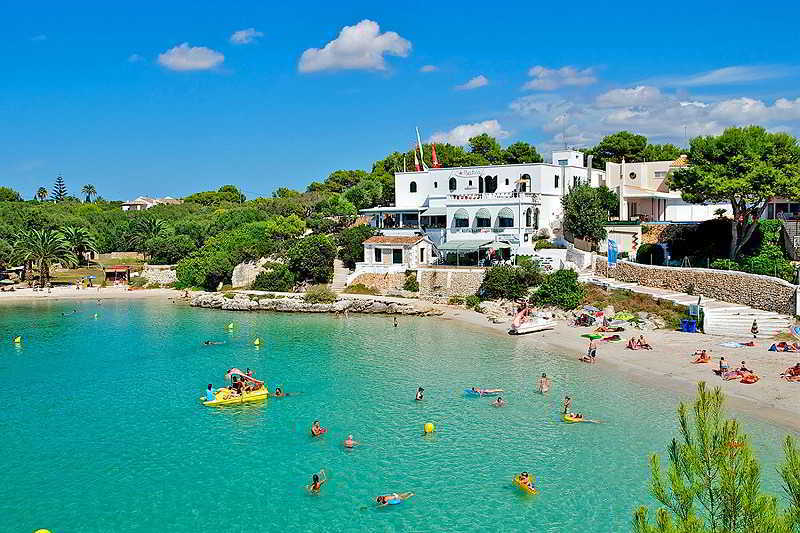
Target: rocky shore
x,y
284,303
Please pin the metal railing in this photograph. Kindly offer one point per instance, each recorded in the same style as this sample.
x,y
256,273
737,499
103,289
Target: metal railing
x,y
493,196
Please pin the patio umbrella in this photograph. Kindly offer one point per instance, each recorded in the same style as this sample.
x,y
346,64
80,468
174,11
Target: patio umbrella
x,y
497,245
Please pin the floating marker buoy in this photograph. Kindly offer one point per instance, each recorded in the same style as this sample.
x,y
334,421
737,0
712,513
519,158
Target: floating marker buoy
x,y
95,316
257,342
42,531
17,340
429,427
229,326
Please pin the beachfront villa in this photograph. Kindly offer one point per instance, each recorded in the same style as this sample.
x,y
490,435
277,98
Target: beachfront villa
x,y
143,203
469,208
397,253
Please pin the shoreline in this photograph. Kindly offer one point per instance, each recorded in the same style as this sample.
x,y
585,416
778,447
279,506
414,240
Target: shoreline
x,y
667,366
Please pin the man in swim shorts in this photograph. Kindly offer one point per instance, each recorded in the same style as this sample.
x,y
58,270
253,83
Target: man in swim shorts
x,y
544,383
420,390
592,351
349,442
567,404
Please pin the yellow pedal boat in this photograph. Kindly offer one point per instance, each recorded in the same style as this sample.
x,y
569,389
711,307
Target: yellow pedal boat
x,y
227,397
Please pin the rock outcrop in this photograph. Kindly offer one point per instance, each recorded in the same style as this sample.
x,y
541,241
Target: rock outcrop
x,y
245,273
263,301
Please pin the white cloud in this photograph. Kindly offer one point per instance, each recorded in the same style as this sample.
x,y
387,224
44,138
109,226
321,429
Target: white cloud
x,y
461,134
546,79
135,58
246,36
428,68
38,38
641,95
478,81
184,57
727,76
357,47
659,116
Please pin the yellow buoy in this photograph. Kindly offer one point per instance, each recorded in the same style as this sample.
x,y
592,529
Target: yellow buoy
x,y
229,326
257,342
17,340
429,427
42,531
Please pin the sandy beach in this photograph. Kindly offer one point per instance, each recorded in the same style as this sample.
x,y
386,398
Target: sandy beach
x,y
94,293
668,365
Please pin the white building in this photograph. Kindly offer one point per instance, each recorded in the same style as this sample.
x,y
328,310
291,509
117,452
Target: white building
x,y
468,207
645,195
396,253
145,202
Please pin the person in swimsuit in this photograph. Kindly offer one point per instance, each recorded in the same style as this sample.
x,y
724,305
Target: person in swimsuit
x,y
349,442
592,352
499,402
278,392
723,365
525,479
317,482
395,497
420,390
567,404
316,430
210,393
544,383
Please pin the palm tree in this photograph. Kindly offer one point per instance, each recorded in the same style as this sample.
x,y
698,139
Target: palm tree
x,y
43,247
88,190
79,241
41,194
144,229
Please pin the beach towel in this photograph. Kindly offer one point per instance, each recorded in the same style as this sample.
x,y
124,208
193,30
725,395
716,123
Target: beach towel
x,y
795,332
624,315
593,336
732,344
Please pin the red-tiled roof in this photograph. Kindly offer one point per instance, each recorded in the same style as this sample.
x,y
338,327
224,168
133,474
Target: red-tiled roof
x,y
381,239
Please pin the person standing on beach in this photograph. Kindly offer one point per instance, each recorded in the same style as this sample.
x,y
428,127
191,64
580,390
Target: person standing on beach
x,y
754,329
544,383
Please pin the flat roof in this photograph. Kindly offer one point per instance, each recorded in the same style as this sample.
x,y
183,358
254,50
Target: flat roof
x,y
394,239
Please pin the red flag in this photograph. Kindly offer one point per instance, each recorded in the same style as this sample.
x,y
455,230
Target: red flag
x,y
435,160
416,161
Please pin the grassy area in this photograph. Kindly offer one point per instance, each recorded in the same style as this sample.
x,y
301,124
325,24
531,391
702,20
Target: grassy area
x,y
623,300
68,276
359,288
127,261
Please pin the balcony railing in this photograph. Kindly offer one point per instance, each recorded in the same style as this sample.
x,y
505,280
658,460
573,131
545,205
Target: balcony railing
x,y
526,196
492,230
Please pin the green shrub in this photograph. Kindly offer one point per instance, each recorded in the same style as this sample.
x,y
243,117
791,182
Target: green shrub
x,y
543,244
319,294
769,262
351,244
503,281
622,255
278,278
152,286
561,288
473,302
311,258
411,284
529,271
228,295
455,300
168,249
650,254
360,288
724,264
138,281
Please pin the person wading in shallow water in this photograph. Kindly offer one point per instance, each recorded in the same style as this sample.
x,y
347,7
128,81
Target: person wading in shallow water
x,y
567,404
754,329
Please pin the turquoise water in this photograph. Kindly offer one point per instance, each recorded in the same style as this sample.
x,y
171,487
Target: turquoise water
x,y
102,431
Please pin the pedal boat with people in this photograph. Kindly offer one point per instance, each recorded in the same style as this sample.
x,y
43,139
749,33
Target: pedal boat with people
x,y
254,390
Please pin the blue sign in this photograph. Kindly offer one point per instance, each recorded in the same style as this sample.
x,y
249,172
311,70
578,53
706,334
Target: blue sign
x,y
612,252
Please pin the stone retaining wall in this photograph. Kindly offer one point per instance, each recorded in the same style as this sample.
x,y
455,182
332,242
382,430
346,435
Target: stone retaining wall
x,y
161,274
760,292
381,282
442,283
263,301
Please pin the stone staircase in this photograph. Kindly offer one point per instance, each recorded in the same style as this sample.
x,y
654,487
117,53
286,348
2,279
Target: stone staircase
x,y
719,318
340,273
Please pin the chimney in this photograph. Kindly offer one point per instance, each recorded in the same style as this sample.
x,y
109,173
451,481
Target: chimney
x,y
589,169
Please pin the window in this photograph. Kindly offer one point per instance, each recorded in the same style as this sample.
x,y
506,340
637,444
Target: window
x,y
462,222
660,174
422,255
490,184
412,187
452,184
378,255
483,219
435,185
576,180
555,183
506,181
397,256
460,219
563,162
505,218
470,183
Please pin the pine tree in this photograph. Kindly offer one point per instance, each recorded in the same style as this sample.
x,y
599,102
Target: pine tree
x,y
59,192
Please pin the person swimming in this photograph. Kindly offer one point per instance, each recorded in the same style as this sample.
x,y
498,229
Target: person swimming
x,y
499,402
527,480
317,480
349,442
393,498
316,430
420,390
212,343
544,383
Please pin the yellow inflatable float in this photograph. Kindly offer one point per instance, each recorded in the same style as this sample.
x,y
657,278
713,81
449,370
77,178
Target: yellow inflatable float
x,y
17,340
257,342
573,419
429,427
524,486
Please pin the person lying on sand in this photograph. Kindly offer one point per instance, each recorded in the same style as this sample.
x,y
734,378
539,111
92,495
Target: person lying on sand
x,y
702,357
792,373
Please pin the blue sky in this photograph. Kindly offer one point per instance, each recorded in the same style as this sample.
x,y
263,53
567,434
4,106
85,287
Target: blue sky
x,y
265,95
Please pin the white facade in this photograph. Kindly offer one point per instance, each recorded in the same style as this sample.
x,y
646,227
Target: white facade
x,y
145,202
494,202
392,254
645,195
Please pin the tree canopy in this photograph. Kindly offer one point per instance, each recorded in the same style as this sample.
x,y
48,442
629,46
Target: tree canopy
x,y
586,212
744,166
631,147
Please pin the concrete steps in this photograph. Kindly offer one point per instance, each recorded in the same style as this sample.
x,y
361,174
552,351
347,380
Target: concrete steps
x,y
340,273
719,318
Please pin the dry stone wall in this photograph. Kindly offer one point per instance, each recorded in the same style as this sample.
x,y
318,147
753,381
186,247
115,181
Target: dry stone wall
x,y
161,274
381,282
441,283
760,292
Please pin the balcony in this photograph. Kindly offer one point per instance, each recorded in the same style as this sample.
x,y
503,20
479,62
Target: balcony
x,y
504,197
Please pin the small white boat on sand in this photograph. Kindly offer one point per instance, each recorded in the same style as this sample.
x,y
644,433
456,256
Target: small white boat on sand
x,y
523,323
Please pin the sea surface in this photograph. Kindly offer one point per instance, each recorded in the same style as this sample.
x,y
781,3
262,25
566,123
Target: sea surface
x,y
102,429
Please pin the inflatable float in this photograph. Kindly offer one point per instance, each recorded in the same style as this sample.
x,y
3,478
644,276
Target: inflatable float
x,y
524,487
572,420
483,392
